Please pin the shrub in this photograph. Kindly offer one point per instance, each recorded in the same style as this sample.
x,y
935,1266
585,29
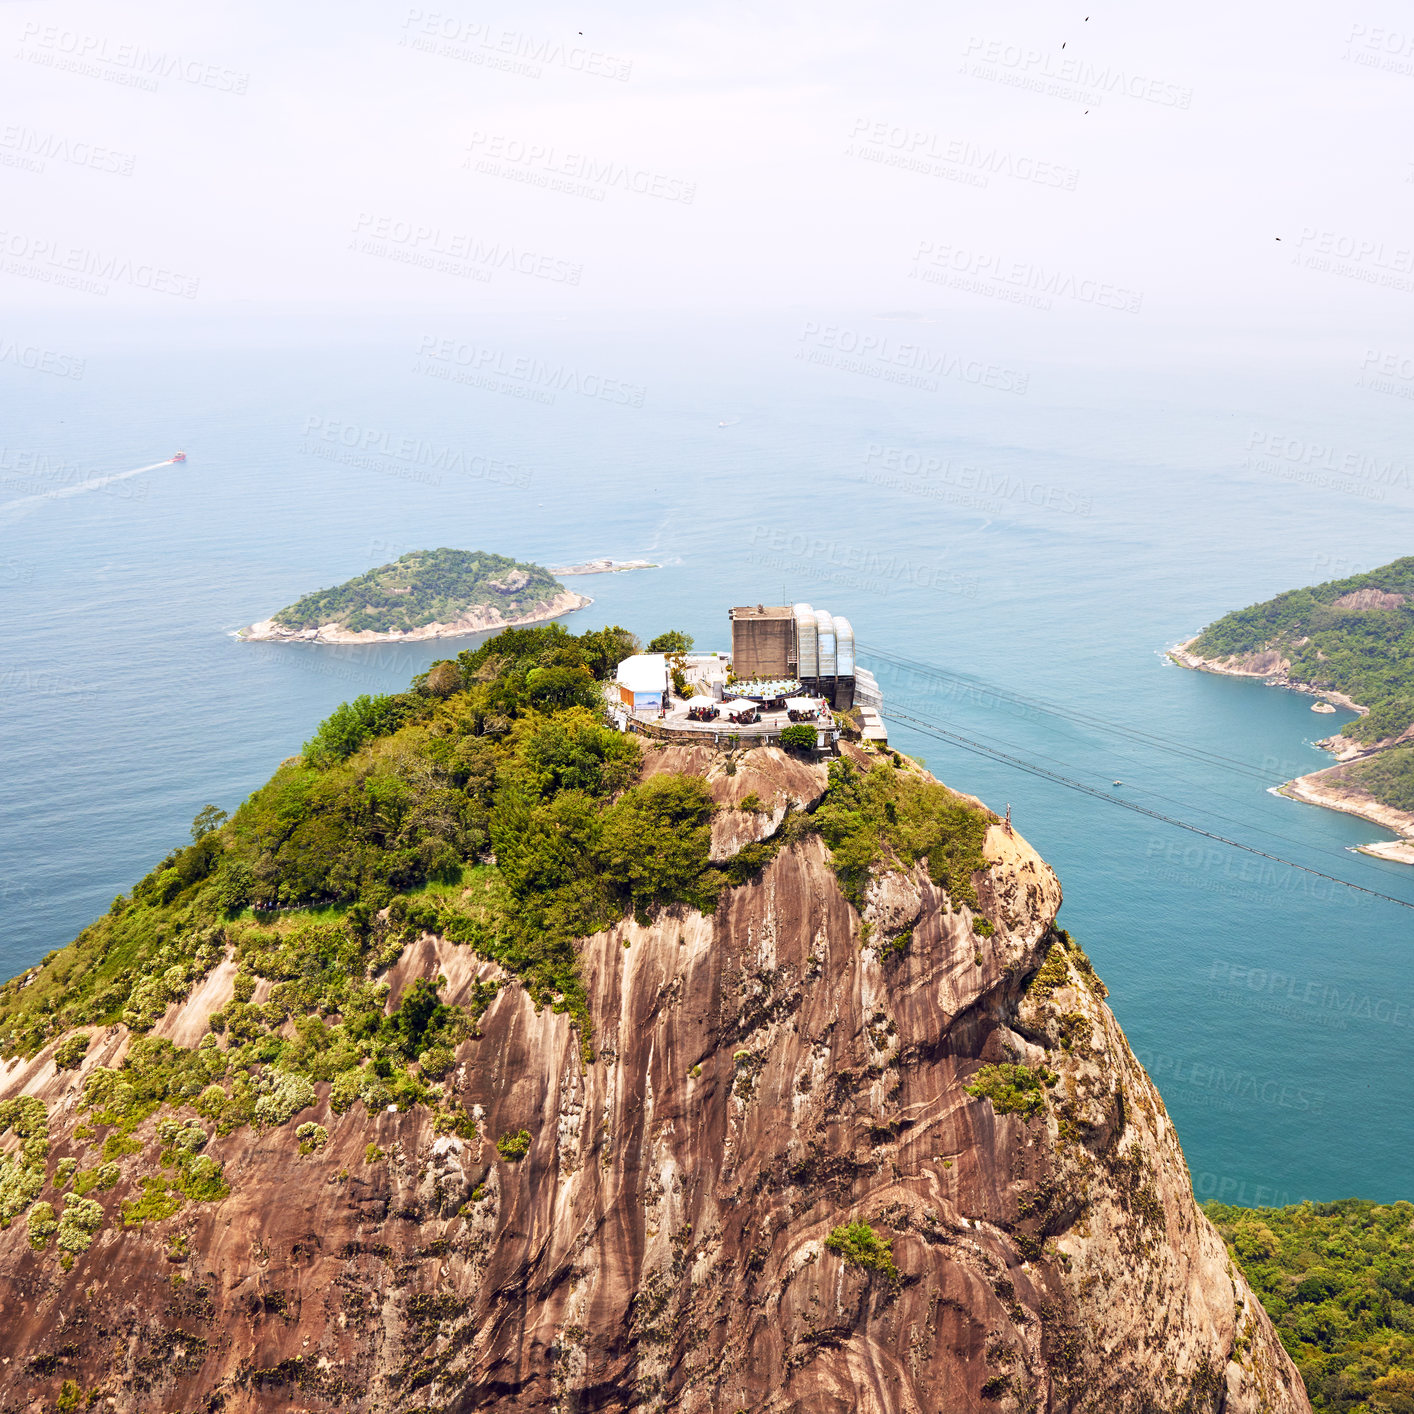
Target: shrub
x,y
64,1171
861,1246
799,736
105,1176
436,1061
71,1051
42,1225
82,1217
311,1137
513,1147
286,1096
1012,1089
373,1154
157,1202
348,1086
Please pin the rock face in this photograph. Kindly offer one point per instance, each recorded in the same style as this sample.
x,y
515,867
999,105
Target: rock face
x,y
764,1075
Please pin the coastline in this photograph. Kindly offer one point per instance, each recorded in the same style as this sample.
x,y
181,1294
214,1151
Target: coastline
x,y
1315,788
477,620
1271,668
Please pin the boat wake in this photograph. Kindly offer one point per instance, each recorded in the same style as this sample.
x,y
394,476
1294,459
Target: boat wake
x,y
95,483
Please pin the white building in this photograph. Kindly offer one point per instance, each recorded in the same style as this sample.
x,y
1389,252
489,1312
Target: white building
x,y
642,681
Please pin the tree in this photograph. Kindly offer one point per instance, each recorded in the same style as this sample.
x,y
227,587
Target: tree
x,y
674,641
208,818
443,679
798,737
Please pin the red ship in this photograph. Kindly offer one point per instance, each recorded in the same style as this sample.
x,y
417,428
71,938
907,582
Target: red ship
x,y
179,456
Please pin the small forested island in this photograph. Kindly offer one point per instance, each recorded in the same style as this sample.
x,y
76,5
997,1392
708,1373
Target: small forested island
x,y
1349,642
425,594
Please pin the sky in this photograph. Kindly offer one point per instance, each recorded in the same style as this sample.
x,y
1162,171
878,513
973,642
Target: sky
x,y
1159,180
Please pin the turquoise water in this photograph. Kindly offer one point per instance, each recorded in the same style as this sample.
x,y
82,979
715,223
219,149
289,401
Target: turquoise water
x,y
1061,539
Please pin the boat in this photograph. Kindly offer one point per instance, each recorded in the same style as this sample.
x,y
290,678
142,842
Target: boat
x,y
179,456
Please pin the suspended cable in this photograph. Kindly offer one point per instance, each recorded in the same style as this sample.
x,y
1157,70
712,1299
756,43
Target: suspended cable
x,y
967,744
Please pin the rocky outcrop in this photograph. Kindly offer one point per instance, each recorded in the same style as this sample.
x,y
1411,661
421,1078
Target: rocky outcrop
x,y
763,1076
480,619
1363,599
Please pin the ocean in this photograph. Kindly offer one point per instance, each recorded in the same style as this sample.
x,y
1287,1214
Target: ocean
x,y
1037,530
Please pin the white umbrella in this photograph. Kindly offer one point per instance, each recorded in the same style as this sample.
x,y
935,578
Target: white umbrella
x,y
738,704
802,704
699,701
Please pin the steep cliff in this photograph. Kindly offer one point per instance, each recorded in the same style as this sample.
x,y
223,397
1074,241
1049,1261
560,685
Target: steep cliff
x,y
668,1225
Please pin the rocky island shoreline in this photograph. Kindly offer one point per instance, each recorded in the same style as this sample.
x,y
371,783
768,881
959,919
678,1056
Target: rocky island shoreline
x,y
423,595
478,620
1324,788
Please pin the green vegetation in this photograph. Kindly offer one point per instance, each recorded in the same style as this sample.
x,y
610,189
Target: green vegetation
x,y
799,736
1338,1281
426,586
515,1146
71,1051
157,1202
1013,1089
1388,776
888,816
81,1218
42,1225
490,803
1368,654
674,641
22,1172
861,1246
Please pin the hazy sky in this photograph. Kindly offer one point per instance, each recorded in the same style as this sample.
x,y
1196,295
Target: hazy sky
x,y
1133,168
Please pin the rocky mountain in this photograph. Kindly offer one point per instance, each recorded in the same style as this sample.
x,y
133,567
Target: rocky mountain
x,y
825,1159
